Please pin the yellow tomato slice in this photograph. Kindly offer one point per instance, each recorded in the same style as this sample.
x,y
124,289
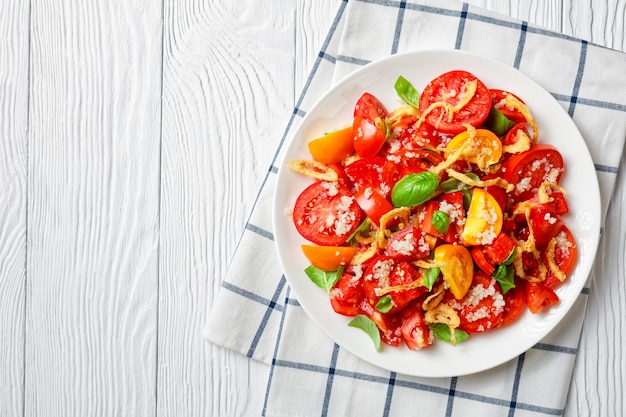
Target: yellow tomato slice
x,y
457,267
484,219
333,147
328,258
483,149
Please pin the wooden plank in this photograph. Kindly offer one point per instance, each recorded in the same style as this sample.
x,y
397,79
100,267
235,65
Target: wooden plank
x,y
598,21
547,14
600,366
93,200
228,91
14,23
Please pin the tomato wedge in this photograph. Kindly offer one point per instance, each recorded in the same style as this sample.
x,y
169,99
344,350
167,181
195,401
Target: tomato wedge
x,y
328,258
457,268
333,147
482,308
346,295
451,89
372,203
498,97
415,332
376,172
452,205
514,303
565,255
395,278
539,297
409,243
527,170
368,127
484,219
326,213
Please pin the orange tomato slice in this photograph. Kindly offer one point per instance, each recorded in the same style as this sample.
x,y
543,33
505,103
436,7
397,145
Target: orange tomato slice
x,y
484,219
457,267
333,147
328,258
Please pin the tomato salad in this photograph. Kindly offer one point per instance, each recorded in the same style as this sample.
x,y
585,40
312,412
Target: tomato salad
x,y
438,219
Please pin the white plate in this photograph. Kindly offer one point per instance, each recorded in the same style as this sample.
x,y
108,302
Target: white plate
x,y
480,351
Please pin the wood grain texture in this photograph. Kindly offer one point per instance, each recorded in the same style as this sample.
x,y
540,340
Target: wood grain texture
x,y
14,26
93,193
227,94
547,14
598,21
133,139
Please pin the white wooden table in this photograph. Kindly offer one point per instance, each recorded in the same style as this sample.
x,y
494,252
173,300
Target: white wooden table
x,y
133,137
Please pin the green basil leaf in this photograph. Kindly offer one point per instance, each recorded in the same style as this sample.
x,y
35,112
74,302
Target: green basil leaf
x,y
363,229
509,259
414,189
430,277
467,199
505,277
384,304
323,279
497,122
452,184
442,331
440,221
407,92
361,321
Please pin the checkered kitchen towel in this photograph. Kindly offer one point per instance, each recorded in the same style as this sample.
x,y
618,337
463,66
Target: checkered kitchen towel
x,y
312,376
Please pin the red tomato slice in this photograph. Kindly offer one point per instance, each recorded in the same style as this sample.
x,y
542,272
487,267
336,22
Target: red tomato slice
x,y
449,88
485,265
326,213
511,136
375,172
539,297
408,244
565,254
428,136
515,303
415,161
452,205
544,224
346,295
415,331
482,308
368,127
500,249
386,272
527,170
498,97
372,203
388,325
369,108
